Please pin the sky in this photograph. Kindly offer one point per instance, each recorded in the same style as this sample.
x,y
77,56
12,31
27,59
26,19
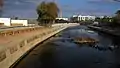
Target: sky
x,y
27,8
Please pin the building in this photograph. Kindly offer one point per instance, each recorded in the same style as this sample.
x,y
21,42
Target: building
x,y
63,19
5,21
12,22
83,18
19,22
32,22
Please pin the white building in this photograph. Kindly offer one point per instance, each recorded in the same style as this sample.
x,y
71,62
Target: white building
x,y
62,18
83,18
5,21
11,22
19,22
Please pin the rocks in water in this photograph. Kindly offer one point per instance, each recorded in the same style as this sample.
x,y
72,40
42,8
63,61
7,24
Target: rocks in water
x,y
85,40
111,48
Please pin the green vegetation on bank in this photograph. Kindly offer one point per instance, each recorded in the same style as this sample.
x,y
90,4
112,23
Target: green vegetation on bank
x,y
110,21
47,13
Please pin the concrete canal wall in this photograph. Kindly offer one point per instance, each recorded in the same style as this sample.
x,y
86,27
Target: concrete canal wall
x,y
107,31
9,55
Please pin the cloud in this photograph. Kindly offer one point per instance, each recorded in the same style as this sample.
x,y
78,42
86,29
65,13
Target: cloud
x,y
87,11
20,13
117,0
104,1
27,8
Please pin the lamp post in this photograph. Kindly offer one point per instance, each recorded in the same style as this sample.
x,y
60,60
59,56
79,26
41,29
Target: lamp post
x,y
1,6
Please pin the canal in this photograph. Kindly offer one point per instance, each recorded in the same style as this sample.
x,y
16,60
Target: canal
x,y
60,51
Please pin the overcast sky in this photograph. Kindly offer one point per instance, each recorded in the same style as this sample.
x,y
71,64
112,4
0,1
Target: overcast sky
x,y
27,8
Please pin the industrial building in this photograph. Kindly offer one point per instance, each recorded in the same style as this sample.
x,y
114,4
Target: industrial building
x,y
12,22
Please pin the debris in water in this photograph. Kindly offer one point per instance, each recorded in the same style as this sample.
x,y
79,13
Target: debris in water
x,y
85,40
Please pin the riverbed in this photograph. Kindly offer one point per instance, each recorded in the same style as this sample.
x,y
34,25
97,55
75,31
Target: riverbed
x,y
61,51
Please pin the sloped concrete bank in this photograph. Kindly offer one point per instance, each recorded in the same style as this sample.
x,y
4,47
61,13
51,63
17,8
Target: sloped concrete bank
x,y
9,55
106,31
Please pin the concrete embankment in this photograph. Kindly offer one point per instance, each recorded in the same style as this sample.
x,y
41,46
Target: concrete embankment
x,y
10,52
106,30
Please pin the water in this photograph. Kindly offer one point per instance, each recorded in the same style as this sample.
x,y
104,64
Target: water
x,y
61,52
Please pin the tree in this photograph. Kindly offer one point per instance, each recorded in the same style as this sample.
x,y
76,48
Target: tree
x,y
47,12
118,12
115,21
117,17
53,10
16,18
105,19
97,19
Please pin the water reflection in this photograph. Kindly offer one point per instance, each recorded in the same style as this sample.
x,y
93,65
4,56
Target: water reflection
x,y
105,42
70,55
62,52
